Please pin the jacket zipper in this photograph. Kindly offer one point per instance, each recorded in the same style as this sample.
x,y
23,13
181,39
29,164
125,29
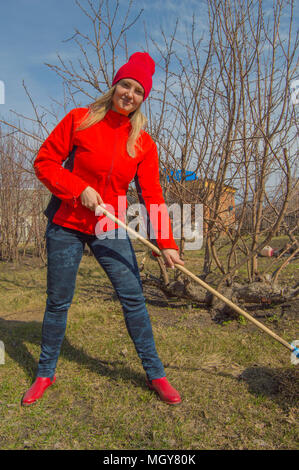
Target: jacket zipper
x,y
112,164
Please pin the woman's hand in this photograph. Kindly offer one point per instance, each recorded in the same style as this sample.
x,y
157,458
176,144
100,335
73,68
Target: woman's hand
x,y
171,257
90,198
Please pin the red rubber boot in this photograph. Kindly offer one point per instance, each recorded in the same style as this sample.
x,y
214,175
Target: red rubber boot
x,y
165,391
36,390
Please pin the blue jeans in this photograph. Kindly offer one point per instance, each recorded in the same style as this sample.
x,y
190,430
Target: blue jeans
x,y
116,256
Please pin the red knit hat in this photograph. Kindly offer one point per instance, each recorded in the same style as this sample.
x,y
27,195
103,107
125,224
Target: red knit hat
x,y
141,68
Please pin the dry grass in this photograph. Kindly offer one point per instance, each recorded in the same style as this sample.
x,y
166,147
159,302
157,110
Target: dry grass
x,y
238,386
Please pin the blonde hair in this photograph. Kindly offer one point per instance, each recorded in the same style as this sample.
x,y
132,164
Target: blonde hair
x,y
98,110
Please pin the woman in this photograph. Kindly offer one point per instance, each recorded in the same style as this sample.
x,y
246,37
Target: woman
x,y
104,147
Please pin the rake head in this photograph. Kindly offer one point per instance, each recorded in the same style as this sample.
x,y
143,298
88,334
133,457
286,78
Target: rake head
x,y
295,353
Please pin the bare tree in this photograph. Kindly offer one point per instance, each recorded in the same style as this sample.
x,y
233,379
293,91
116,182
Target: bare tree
x,y
227,116
220,108
101,51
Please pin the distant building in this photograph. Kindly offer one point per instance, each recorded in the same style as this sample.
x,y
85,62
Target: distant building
x,y
198,191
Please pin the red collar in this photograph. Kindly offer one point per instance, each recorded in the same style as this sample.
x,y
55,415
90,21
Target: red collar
x,y
116,119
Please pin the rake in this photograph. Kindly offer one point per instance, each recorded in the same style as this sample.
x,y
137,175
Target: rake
x,y
291,347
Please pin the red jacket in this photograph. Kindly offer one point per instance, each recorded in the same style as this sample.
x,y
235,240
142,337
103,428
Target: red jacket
x,y
97,157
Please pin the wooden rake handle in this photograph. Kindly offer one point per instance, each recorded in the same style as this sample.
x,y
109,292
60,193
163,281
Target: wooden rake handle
x,y
197,279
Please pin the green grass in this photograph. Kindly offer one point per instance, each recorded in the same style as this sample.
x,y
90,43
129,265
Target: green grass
x,y
238,386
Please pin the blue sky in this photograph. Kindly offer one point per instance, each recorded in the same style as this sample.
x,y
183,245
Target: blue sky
x,y
32,32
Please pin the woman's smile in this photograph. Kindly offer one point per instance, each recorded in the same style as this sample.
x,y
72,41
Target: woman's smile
x,y
128,96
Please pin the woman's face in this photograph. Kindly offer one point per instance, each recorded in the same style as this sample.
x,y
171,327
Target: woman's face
x,y
127,97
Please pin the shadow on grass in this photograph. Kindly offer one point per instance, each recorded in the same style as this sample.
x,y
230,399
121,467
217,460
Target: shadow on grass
x,y
281,384
15,335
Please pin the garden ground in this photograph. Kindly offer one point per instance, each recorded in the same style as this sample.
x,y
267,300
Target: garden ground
x,y
238,386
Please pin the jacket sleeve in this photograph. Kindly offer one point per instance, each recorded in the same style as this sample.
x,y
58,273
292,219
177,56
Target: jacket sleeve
x,y
150,195
48,164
